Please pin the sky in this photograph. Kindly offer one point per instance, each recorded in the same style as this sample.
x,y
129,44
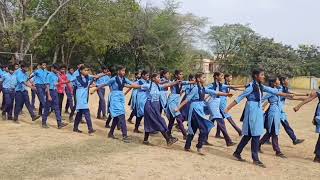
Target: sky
x,y
291,22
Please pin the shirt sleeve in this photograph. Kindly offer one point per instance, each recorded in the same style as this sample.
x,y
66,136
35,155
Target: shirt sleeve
x,y
210,86
192,94
210,92
266,97
109,82
128,82
245,93
270,90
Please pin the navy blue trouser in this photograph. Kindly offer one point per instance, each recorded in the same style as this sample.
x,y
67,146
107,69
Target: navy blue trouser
x,y
22,98
122,120
102,109
54,105
254,145
274,136
33,98
222,127
73,109
195,126
179,119
69,103
289,130
41,93
317,148
77,121
9,99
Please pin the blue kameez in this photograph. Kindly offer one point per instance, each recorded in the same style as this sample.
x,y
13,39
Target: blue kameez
x,y
274,112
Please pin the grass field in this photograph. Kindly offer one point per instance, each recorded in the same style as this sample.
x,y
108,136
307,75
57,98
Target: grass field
x,y
29,152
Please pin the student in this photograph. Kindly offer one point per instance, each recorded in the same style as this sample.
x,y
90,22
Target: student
x,y
9,84
63,84
316,120
174,101
40,76
73,80
33,92
69,92
141,99
223,105
214,107
272,118
21,94
102,109
3,70
284,117
82,83
165,78
52,101
197,116
187,90
117,102
153,121
133,98
253,121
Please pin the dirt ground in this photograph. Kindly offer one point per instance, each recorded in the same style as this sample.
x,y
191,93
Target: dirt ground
x,y
29,152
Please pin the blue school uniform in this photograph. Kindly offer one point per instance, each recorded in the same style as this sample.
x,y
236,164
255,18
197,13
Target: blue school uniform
x,y
164,93
198,106
82,93
134,97
40,76
174,99
153,121
253,120
224,101
102,109
317,115
141,98
117,98
9,84
273,115
214,101
21,95
52,80
9,81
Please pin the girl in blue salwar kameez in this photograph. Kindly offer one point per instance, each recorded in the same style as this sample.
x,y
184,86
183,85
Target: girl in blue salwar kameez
x,y
273,118
316,120
153,121
133,98
197,115
253,121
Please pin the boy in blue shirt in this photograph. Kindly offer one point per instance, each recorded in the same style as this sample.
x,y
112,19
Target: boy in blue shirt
x,y
40,82
9,84
21,94
52,101
102,109
69,93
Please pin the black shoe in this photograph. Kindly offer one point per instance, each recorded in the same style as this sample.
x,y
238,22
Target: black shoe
x,y
118,128
298,141
126,139
91,132
62,125
259,163
171,141
281,155
77,131
238,157
45,126
146,143
111,136
137,131
35,118
206,143
231,144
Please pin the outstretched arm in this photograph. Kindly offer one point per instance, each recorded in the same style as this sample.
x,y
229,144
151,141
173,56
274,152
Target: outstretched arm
x,y
312,96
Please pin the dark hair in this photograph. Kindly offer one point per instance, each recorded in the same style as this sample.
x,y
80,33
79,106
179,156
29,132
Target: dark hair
x,y
163,72
23,65
282,80
154,75
227,75
63,66
70,68
199,75
4,66
15,64
272,80
177,72
191,76
136,73
120,67
34,67
144,72
43,62
256,72
83,67
55,66
104,68
215,74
